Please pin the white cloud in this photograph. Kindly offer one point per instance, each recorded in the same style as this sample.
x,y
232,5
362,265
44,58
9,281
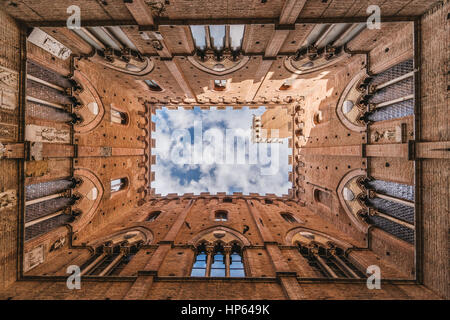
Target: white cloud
x,y
210,176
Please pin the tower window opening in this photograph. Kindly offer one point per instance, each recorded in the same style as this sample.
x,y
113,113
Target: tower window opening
x,y
152,85
221,215
118,184
220,85
288,217
153,216
118,117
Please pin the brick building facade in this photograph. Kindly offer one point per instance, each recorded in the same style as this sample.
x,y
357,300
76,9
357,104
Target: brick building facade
x,y
365,110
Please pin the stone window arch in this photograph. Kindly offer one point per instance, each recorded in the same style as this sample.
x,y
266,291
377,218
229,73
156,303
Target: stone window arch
x,y
218,260
219,252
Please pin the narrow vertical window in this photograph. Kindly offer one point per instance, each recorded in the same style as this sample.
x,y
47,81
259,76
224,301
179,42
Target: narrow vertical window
x,y
236,35
218,268
199,35
217,33
236,264
199,267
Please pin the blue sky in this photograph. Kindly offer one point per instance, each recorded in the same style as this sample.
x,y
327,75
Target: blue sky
x,y
182,167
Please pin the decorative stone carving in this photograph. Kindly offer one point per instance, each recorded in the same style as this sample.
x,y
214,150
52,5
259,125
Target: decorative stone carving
x,y
58,244
46,134
388,135
8,199
106,152
34,258
49,44
8,89
2,151
8,132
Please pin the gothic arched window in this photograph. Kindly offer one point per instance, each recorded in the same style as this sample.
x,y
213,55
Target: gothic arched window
x,y
218,261
236,264
200,263
218,266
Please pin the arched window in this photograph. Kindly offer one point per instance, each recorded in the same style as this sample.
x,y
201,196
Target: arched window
x,y
288,217
229,200
220,85
218,261
153,216
218,267
236,264
152,85
118,184
199,267
118,117
221,215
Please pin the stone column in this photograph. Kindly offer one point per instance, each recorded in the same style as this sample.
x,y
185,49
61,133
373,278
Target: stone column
x,y
227,252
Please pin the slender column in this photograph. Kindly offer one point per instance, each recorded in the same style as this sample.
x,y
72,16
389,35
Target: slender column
x,y
227,252
391,82
93,264
342,265
209,254
47,103
324,265
374,212
388,103
374,194
49,216
113,263
52,196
